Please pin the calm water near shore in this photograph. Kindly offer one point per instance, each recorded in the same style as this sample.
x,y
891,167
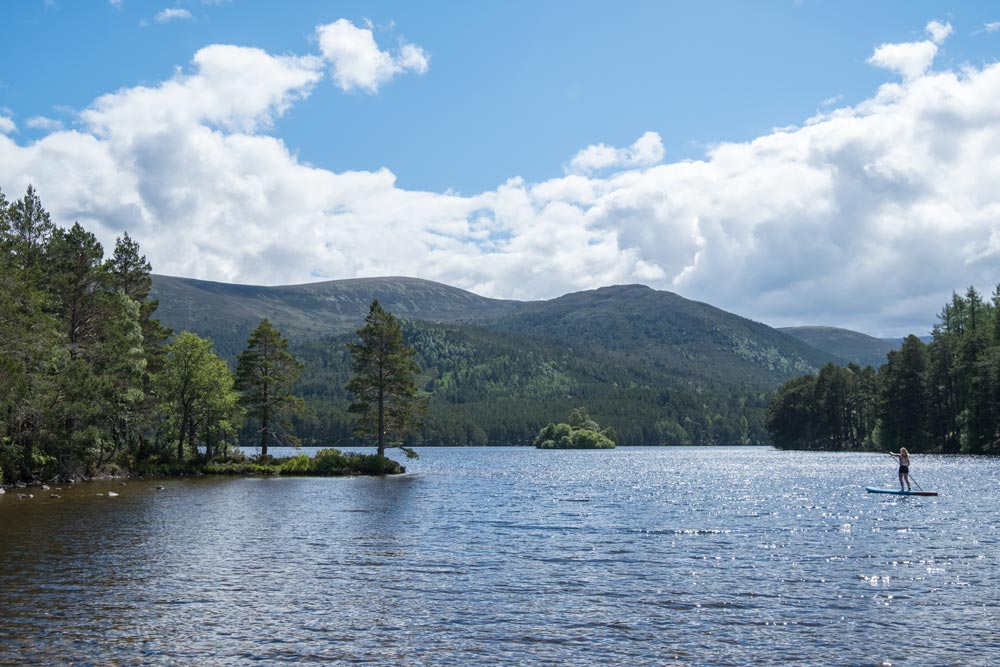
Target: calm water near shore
x,y
515,556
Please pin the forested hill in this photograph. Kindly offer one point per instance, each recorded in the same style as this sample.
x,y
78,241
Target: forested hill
x,y
848,345
658,368
632,322
661,328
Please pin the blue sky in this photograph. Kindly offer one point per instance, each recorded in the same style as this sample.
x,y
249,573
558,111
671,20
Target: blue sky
x,y
514,88
594,127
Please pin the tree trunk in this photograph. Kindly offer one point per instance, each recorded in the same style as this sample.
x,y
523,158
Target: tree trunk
x,y
265,417
180,436
381,421
180,447
263,439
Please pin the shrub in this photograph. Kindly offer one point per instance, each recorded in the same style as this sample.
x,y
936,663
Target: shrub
x,y
297,465
581,433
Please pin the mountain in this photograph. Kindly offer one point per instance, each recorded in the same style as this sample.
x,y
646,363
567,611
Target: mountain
x,y
848,345
658,368
625,321
659,327
227,313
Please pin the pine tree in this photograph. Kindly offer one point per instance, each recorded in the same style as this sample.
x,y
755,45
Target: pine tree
x,y
31,227
385,394
266,374
904,407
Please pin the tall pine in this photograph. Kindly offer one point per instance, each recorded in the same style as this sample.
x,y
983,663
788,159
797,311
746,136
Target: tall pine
x,y
386,401
266,374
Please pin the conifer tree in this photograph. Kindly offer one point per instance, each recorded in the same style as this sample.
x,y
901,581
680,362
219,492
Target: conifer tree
x,y
266,374
386,400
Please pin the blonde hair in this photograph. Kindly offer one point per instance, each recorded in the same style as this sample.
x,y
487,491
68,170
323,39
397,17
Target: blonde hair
x,y
902,450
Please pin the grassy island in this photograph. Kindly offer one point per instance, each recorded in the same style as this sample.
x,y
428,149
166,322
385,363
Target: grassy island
x,y
326,463
579,432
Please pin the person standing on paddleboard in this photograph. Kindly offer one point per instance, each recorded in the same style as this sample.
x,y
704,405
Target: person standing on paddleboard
x,y
904,467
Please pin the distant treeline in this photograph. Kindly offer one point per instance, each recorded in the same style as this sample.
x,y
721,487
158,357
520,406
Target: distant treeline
x,y
494,388
943,396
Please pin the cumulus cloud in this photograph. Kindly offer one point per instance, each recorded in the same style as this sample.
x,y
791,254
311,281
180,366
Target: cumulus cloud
x,y
645,152
866,217
357,61
912,59
7,125
235,88
992,27
173,14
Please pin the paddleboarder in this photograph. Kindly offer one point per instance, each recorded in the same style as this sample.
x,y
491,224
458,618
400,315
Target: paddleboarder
x,y
904,467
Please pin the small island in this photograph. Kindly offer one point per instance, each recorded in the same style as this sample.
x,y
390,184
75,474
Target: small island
x,y
578,432
326,463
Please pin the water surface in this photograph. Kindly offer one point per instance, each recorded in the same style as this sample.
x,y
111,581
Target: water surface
x,y
635,556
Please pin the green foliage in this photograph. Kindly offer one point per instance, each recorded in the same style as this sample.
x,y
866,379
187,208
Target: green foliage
x,y
386,401
581,432
89,384
266,374
195,390
333,462
489,387
73,356
940,397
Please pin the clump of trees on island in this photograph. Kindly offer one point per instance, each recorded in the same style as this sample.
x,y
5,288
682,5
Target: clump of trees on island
x,y
942,396
90,381
579,431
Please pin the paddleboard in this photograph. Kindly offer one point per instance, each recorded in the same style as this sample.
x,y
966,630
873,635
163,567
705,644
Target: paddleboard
x,y
897,492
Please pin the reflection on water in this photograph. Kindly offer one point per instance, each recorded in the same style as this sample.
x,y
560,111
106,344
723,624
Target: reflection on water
x,y
515,556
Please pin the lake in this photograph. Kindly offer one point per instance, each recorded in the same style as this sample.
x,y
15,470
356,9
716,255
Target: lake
x,y
514,556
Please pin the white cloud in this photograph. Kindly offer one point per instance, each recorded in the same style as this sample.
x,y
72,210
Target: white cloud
x,y
938,31
992,27
911,59
867,217
645,152
43,123
7,125
173,14
357,61
236,88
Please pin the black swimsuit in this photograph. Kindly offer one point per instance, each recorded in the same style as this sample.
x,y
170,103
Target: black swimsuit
x,y
904,470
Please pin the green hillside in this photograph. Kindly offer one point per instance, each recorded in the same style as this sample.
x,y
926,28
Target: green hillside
x,y
490,387
683,336
658,368
227,313
848,345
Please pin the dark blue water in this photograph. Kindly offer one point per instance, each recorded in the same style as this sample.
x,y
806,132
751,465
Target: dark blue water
x,y
511,556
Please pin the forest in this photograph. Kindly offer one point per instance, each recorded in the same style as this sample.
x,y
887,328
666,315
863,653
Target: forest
x,y
495,388
942,396
90,380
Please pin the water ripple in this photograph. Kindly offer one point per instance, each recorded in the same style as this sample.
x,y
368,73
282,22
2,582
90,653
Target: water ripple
x,y
643,557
